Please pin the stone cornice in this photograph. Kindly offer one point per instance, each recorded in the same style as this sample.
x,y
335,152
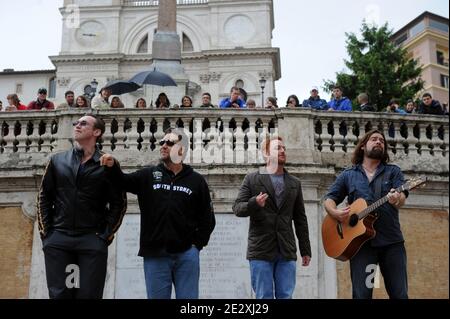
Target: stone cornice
x,y
147,57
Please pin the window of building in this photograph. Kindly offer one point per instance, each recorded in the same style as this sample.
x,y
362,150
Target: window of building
x,y
187,44
444,81
19,88
440,57
419,27
438,25
239,84
402,38
52,88
143,47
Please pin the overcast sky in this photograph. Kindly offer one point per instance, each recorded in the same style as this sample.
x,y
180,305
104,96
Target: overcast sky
x,y
310,34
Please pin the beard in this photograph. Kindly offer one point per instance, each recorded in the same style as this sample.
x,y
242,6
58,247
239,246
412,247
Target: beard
x,y
375,153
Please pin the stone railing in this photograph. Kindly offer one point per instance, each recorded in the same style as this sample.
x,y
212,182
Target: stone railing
x,y
233,136
148,3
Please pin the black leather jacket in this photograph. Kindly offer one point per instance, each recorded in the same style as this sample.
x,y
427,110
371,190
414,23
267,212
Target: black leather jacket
x,y
79,199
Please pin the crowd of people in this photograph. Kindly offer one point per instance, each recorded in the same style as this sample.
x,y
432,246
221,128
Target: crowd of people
x,y
339,102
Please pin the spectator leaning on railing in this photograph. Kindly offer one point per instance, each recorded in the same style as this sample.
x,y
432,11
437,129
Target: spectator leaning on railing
x,y
394,107
14,104
314,101
364,106
234,101
430,106
339,102
41,102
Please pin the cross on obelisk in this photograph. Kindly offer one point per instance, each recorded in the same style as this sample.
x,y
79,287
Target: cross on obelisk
x,y
166,42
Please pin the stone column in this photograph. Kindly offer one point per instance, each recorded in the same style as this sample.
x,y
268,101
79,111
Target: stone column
x,y
167,15
166,43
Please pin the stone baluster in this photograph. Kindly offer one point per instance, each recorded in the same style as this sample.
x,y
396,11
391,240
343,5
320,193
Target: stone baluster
x,y
21,137
398,139
159,134
445,141
212,153
197,141
227,140
252,150
121,136
46,146
422,143
146,134
351,137
411,139
327,138
33,138
8,139
239,150
338,138
106,144
437,142
132,134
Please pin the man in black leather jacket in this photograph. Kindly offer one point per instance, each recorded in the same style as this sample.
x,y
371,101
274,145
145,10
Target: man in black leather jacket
x,y
79,211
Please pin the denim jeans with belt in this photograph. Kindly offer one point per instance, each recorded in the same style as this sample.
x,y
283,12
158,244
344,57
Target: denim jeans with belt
x,y
182,269
273,278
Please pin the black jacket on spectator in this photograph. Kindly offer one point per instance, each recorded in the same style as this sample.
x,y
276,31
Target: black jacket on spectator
x,y
79,199
367,108
176,210
270,229
434,108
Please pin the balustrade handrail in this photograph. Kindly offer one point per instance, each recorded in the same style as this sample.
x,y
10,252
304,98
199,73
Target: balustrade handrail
x,y
307,132
151,3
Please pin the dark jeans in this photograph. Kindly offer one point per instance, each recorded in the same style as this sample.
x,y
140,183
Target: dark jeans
x,y
63,253
392,261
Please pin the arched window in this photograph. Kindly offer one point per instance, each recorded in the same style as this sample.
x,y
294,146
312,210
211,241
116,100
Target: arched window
x,y
187,44
143,47
52,88
239,84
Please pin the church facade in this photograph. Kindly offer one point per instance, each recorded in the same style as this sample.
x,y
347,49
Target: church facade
x,y
224,43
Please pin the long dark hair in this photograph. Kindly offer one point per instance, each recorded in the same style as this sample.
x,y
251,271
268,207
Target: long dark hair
x,y
358,153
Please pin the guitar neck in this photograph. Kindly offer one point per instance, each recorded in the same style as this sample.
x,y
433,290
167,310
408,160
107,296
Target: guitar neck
x,y
378,203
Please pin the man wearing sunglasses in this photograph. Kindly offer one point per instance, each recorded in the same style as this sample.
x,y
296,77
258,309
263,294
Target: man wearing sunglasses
x,y
177,219
41,103
79,211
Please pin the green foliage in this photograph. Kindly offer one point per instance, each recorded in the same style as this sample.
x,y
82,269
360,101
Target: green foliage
x,y
378,68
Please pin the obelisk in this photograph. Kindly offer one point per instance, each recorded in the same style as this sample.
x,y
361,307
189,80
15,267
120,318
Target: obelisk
x,y
166,46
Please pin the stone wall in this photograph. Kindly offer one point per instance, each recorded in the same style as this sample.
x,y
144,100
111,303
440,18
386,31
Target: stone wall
x,y
426,241
16,241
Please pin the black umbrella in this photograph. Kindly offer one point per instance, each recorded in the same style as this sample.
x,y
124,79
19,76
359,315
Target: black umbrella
x,y
154,78
118,87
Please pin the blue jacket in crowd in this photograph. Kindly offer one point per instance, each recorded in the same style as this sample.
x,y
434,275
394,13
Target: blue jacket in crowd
x,y
226,103
344,104
315,103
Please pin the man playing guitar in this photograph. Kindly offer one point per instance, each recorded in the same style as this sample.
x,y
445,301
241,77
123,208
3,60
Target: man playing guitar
x,y
371,178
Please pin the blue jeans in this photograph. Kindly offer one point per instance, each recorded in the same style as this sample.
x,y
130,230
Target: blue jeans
x,y
182,269
392,261
269,277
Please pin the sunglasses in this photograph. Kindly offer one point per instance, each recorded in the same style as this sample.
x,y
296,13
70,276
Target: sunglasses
x,y
81,123
168,142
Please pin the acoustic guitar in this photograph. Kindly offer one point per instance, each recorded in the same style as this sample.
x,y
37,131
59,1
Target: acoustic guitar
x,y
342,240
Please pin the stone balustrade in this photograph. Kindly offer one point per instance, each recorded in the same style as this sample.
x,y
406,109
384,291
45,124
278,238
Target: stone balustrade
x,y
234,136
146,3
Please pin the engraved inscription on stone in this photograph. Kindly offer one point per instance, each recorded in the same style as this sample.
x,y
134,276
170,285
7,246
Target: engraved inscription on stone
x,y
224,270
